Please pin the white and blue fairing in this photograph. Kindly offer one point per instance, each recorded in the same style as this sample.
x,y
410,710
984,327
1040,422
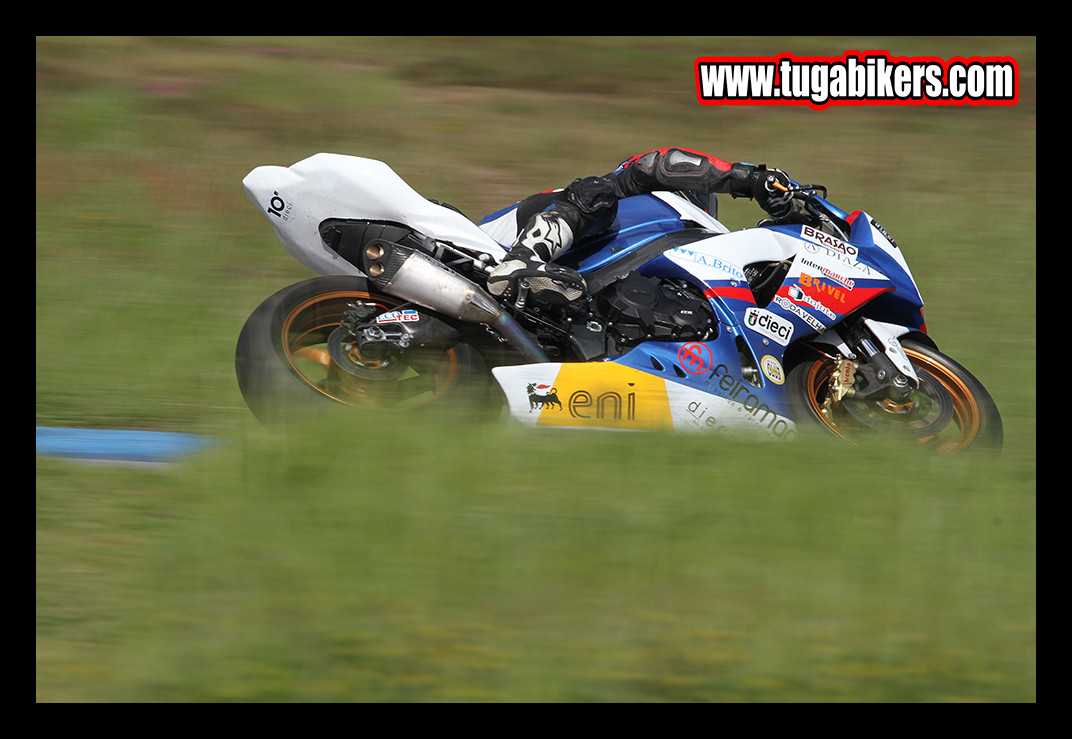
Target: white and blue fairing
x,y
826,279
661,235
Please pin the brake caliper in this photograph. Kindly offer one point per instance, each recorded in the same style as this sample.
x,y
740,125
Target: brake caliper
x,y
842,383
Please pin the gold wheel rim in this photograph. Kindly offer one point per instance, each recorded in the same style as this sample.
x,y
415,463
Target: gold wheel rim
x,y
304,333
967,415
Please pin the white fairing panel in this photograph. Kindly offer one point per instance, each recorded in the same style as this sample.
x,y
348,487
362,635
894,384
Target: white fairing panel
x,y
297,199
724,257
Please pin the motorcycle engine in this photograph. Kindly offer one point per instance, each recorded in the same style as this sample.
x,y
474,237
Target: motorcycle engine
x,y
639,308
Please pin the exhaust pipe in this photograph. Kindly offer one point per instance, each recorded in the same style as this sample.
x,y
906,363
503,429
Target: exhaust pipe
x,y
414,276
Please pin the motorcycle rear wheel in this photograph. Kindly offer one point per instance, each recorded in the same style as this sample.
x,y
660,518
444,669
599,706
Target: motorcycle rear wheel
x,y
951,411
284,366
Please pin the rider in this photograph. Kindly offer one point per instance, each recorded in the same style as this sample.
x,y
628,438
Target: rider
x,y
547,224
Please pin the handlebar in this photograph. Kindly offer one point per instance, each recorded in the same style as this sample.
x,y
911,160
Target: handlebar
x,y
817,207
807,191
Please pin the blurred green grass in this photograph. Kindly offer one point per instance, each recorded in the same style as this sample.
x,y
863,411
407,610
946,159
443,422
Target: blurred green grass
x,y
445,561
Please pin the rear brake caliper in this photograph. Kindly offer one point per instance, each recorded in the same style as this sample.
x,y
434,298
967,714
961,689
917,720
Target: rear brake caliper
x,y
362,346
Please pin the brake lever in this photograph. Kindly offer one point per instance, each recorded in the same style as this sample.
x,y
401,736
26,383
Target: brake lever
x,y
799,189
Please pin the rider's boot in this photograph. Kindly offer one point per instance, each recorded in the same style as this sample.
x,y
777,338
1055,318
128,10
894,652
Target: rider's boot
x,y
526,268
587,206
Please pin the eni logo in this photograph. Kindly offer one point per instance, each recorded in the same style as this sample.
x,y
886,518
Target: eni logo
x,y
607,395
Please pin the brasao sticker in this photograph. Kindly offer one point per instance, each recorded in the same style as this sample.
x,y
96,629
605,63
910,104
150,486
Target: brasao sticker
x,y
855,78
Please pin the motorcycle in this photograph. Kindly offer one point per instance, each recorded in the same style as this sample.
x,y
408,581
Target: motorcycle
x,y
684,325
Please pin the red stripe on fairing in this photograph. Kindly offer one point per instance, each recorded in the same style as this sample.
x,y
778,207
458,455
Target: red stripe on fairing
x,y
731,293
853,298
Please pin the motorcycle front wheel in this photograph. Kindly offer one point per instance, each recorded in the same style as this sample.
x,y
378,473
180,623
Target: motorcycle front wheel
x,y
950,412
284,365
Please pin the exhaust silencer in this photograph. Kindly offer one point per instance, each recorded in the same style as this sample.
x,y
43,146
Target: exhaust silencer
x,y
414,276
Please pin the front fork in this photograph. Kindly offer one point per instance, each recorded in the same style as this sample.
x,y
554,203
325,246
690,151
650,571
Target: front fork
x,y
871,364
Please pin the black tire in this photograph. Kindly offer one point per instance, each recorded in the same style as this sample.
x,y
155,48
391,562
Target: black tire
x,y
951,412
284,368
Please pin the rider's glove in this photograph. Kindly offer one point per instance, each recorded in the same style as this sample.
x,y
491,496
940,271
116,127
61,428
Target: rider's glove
x,y
770,189
521,272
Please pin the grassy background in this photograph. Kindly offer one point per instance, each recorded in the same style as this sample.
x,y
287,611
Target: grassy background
x,y
453,561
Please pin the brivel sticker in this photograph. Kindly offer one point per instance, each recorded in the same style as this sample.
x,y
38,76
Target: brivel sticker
x,y
855,78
